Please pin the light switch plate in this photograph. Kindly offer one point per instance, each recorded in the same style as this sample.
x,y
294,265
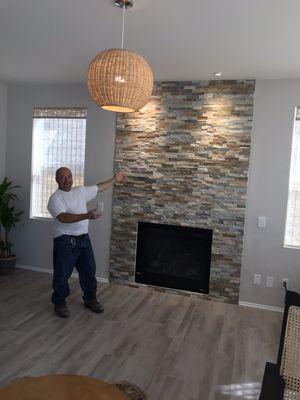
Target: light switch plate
x,y
261,222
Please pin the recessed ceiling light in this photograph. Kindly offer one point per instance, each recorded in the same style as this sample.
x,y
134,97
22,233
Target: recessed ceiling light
x,y
218,73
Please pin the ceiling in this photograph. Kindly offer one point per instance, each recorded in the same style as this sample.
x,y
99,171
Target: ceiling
x,y
53,41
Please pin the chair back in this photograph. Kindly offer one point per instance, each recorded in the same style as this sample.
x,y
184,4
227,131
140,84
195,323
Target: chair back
x,y
290,361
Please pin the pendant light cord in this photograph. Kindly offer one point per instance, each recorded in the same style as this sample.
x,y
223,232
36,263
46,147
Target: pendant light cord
x,y
123,23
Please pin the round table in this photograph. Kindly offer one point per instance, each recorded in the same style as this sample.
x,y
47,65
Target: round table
x,y
60,387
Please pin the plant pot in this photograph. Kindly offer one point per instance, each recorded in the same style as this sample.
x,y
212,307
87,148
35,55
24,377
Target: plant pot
x,y
7,265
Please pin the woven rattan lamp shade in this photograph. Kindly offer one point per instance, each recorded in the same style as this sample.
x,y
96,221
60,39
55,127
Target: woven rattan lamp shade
x,y
120,80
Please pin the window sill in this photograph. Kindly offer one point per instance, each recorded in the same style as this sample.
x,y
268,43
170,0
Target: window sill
x,y
46,219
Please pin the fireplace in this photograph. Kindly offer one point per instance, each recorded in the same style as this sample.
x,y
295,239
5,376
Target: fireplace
x,y
187,155
175,257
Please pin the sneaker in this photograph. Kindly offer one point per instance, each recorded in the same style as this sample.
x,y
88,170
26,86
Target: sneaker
x,y
94,306
62,311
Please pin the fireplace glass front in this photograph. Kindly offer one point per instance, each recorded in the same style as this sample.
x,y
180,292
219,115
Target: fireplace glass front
x,y
175,257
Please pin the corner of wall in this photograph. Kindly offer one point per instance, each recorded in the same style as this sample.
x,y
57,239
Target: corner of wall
x,y
3,128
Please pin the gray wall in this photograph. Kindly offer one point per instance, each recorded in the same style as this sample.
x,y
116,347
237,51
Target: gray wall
x,y
267,192
3,111
274,105
33,239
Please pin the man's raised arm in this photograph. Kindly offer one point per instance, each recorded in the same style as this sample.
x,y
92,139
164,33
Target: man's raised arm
x,y
119,177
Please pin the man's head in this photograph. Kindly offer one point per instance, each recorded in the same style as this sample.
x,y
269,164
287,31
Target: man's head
x,y
64,179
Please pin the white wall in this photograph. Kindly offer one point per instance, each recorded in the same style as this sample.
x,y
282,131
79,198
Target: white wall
x,y
274,106
3,111
33,239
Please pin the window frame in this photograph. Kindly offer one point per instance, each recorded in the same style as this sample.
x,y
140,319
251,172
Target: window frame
x,y
295,119
63,110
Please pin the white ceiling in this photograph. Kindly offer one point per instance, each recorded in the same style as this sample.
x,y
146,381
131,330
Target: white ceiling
x,y
48,41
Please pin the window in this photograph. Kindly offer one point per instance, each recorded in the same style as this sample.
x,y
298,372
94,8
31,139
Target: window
x,y
292,226
58,139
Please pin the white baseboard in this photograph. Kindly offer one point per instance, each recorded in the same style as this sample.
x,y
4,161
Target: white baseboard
x,y
50,271
261,306
105,280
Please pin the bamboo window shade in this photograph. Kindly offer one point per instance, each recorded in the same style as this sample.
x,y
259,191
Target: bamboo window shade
x,y
58,139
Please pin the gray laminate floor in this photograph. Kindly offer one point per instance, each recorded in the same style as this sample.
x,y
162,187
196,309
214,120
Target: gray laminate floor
x,y
174,347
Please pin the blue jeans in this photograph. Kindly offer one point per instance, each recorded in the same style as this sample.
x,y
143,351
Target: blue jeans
x,y
69,252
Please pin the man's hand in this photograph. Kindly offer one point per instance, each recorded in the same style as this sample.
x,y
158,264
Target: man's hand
x,y
67,218
94,214
117,178
120,177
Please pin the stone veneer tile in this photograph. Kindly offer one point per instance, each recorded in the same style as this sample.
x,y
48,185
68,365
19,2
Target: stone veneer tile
x,y
186,156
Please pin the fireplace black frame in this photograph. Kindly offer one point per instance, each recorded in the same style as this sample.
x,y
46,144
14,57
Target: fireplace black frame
x,y
200,285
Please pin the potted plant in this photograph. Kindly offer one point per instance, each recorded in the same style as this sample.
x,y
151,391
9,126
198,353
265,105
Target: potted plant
x,y
9,216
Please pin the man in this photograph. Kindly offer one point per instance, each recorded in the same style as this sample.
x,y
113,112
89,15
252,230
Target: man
x,y
72,246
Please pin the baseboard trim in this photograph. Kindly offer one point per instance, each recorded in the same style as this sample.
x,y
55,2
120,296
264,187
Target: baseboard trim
x,y
260,306
50,271
105,280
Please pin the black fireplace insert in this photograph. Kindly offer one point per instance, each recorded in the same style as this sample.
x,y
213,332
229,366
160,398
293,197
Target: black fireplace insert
x,y
175,257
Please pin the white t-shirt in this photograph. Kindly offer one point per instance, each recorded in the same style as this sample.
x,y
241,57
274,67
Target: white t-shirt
x,y
72,202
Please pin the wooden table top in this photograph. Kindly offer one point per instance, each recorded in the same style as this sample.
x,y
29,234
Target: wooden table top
x,y
60,387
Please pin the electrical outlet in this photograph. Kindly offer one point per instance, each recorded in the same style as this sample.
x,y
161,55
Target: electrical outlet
x,y
285,281
257,279
269,281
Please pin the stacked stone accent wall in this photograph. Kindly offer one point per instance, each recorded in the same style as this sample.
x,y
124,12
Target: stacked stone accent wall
x,y
186,156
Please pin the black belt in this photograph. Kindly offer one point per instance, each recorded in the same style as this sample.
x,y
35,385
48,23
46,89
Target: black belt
x,y
78,236
75,236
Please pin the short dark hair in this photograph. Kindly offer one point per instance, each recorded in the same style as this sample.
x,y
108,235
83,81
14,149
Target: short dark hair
x,y
58,171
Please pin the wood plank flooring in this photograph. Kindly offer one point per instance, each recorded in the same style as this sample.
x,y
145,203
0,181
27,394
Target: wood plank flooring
x,y
174,347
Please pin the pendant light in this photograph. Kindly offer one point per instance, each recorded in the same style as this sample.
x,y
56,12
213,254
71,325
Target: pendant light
x,y
120,80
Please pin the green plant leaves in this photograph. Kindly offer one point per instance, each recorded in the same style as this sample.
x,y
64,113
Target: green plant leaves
x,y
9,215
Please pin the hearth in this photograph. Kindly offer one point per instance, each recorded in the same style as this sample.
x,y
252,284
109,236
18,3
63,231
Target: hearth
x,y
175,257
